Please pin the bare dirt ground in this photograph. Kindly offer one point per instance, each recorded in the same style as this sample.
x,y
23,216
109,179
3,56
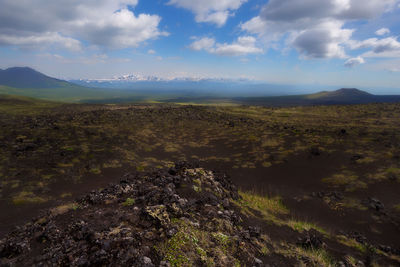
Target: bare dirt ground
x,y
334,167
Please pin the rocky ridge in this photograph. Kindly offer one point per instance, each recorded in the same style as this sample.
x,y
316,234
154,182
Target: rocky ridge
x,y
182,216
169,218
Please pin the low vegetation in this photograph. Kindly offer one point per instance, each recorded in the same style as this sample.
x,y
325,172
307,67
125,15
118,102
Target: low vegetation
x,y
325,168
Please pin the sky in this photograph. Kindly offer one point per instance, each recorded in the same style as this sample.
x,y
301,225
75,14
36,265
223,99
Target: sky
x,y
348,43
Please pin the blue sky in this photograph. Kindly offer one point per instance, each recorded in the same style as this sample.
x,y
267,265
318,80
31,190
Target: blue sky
x,y
346,43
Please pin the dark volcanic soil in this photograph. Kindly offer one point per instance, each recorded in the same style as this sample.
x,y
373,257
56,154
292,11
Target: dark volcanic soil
x,y
142,221
19,214
336,168
178,217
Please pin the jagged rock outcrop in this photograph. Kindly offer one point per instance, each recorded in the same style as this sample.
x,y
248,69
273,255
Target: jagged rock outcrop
x,y
168,218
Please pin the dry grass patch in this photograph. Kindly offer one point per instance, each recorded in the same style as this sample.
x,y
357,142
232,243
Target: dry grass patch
x,y
317,257
63,209
306,257
272,209
264,204
348,179
350,242
26,197
301,226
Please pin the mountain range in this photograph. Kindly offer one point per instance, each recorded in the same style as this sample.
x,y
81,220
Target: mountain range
x,y
25,81
200,86
151,78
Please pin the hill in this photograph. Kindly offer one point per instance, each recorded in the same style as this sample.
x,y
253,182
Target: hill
x,y
24,77
344,96
27,82
340,94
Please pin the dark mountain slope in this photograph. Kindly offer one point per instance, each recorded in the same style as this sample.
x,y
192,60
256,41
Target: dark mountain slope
x,y
342,93
344,96
24,77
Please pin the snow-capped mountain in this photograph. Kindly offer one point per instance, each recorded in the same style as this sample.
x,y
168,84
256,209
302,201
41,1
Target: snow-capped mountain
x,y
131,78
194,84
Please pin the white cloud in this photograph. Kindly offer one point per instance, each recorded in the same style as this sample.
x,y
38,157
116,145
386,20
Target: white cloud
x,y
122,29
378,46
322,41
151,52
387,54
315,28
257,25
204,43
295,10
211,11
40,39
107,23
382,31
85,60
244,45
351,62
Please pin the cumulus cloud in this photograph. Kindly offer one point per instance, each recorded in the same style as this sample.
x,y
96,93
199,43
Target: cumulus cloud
x,y
387,54
41,39
315,28
322,41
204,43
351,62
388,47
295,10
211,11
382,31
378,46
244,45
107,23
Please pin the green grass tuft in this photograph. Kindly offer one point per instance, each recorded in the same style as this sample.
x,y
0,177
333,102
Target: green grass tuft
x,y
129,202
